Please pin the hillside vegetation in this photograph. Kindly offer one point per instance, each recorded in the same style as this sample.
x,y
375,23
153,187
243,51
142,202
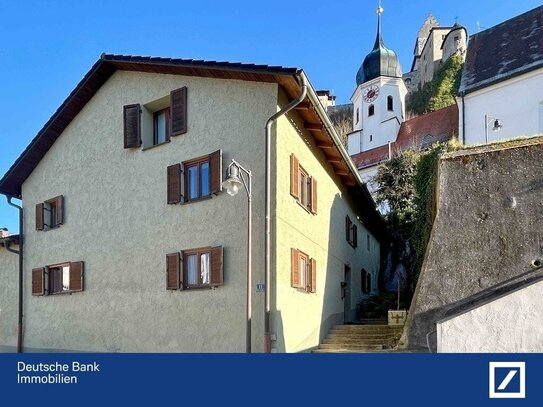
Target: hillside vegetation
x,y
439,92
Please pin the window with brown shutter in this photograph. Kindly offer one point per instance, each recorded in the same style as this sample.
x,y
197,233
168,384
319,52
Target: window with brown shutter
x,y
313,279
173,277
60,278
202,177
178,105
39,216
351,232
65,278
303,275
294,176
201,268
302,186
38,281
76,276
50,214
174,183
132,126
295,268
313,205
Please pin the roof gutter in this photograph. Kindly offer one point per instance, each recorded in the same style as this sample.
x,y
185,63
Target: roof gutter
x,y
302,81
335,138
20,253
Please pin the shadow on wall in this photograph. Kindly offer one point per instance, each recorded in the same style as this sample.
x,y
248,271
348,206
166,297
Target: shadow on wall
x,y
331,302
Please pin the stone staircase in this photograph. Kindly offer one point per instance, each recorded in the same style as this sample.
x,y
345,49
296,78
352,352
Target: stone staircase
x,y
371,337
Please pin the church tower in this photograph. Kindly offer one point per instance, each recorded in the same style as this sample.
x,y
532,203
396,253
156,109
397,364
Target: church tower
x,y
379,98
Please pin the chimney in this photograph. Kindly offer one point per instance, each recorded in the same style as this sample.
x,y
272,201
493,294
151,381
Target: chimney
x,y
326,98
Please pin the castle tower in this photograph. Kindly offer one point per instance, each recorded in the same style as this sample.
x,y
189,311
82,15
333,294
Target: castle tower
x,y
379,98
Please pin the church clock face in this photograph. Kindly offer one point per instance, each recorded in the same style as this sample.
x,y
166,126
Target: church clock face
x,y
371,93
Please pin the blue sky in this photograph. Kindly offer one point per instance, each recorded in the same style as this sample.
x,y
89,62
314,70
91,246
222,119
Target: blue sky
x,y
47,46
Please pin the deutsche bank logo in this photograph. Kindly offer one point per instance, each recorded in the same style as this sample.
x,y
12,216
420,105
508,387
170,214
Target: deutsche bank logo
x,y
507,380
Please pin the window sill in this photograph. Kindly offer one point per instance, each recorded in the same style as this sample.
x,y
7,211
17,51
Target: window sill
x,y
155,145
303,207
49,229
63,293
202,198
199,287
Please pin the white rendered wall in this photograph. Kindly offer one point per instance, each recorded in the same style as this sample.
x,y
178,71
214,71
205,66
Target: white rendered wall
x,y
516,102
383,125
509,324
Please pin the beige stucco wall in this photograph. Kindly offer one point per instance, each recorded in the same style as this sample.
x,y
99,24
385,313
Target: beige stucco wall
x,y
452,46
430,57
301,320
509,324
117,221
9,298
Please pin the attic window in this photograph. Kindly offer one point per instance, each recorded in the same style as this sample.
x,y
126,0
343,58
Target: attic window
x,y
155,122
49,214
161,126
456,38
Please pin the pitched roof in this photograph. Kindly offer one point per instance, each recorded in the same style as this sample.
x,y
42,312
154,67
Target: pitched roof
x,y
102,70
506,50
311,112
417,133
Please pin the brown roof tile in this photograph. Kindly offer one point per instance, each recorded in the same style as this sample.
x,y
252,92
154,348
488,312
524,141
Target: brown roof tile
x,y
418,133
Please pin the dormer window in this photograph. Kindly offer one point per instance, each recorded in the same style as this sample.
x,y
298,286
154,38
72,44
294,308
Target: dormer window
x,y
371,110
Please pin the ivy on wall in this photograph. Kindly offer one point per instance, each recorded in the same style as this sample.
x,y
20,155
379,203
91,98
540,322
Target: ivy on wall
x,y
440,91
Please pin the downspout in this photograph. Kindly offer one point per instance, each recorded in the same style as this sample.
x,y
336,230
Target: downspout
x,y
267,268
463,119
21,245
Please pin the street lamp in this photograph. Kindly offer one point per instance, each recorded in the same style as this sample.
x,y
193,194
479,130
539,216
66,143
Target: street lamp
x,y
497,125
234,180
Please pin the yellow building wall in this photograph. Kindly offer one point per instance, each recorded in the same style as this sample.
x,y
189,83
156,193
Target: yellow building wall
x,y
301,320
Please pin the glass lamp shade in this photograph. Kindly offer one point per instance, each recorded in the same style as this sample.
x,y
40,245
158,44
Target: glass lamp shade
x,y
497,125
232,182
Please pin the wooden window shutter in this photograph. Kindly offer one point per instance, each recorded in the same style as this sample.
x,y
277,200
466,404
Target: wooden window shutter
x,y
173,275
295,268
215,171
132,126
38,281
178,111
39,216
294,176
355,236
313,196
174,183
348,228
313,279
76,276
217,277
59,207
